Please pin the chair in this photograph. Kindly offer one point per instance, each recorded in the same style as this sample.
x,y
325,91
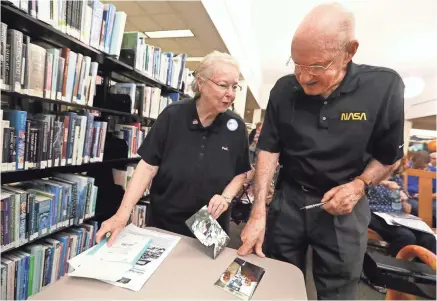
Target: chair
x,y
409,253
425,192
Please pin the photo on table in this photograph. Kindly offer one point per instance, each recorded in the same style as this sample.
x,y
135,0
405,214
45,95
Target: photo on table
x,y
241,279
208,231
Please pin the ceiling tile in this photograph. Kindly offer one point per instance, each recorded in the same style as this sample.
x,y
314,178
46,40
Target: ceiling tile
x,y
144,23
169,21
189,43
131,8
130,27
156,7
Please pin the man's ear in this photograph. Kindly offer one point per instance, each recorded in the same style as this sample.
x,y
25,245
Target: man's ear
x,y
351,48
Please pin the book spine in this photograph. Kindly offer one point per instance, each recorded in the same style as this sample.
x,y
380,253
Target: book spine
x,y
3,36
27,154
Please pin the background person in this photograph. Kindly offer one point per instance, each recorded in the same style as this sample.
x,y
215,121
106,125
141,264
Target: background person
x,y
197,154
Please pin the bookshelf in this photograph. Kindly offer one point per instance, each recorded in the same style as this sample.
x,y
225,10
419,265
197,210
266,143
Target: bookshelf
x,y
71,116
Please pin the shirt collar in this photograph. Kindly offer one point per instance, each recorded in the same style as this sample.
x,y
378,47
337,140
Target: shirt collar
x,y
194,120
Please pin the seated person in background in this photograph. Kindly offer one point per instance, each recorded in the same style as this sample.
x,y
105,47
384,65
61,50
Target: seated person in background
x,y
420,160
381,198
432,163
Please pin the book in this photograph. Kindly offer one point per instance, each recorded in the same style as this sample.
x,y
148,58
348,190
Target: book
x,y
241,279
208,231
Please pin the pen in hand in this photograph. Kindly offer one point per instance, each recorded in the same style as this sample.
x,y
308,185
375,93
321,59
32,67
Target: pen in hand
x,y
314,206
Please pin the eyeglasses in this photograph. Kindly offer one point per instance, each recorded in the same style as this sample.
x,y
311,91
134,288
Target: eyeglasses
x,y
315,70
224,87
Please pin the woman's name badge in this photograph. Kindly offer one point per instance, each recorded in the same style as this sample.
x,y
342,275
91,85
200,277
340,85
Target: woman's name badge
x,y
232,124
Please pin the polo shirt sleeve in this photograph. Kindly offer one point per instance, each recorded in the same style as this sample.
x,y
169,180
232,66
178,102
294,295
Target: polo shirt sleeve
x,y
388,136
152,148
243,160
269,137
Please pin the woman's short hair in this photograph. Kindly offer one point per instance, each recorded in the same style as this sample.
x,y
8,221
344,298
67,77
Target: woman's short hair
x,y
206,67
420,159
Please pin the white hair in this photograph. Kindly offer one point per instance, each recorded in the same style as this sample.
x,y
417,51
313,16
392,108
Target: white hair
x,y
207,67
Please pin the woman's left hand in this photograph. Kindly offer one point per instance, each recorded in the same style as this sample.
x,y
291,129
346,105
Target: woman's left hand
x,y
217,205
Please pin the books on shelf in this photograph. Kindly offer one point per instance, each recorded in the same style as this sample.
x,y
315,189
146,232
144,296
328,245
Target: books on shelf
x,y
91,22
39,70
46,140
134,135
165,67
25,271
37,208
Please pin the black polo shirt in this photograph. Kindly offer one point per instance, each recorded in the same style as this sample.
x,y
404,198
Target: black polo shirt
x,y
327,142
195,163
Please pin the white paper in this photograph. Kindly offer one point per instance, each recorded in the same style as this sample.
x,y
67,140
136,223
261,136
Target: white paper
x,y
162,244
110,263
408,221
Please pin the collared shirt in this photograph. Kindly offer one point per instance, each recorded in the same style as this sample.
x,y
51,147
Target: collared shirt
x,y
327,142
195,162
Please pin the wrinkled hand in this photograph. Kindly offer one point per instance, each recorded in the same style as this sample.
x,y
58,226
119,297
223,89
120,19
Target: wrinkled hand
x,y
390,184
406,207
114,226
217,205
342,199
252,236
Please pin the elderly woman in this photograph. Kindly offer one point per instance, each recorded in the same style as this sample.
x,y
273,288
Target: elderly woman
x,y
197,154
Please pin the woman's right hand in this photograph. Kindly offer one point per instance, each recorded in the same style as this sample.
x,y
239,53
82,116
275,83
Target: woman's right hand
x,y
113,225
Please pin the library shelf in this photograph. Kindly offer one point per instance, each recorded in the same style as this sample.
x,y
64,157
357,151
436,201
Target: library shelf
x,y
70,104
30,174
39,30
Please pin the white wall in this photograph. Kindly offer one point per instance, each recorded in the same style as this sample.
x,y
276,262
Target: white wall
x,y
256,116
425,104
232,21
240,99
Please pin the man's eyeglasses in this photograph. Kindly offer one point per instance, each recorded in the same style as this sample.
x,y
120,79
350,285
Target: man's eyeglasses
x,y
315,70
224,87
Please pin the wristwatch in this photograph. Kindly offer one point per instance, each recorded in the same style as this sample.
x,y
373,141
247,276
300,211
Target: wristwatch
x,y
367,182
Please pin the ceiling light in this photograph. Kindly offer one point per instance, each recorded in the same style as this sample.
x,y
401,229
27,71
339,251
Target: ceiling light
x,y
194,59
413,86
181,33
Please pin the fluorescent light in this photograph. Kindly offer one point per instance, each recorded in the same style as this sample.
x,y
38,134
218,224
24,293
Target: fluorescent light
x,y
413,86
181,33
194,59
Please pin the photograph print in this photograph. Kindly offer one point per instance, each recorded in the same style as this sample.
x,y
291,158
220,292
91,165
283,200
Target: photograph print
x,y
241,279
208,231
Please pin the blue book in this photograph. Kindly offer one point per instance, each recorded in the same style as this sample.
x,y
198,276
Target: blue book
x,y
88,138
17,120
96,138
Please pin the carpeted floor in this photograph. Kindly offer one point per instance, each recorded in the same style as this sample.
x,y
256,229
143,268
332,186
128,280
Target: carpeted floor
x,y
365,292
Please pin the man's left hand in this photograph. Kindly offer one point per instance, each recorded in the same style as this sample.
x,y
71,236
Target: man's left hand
x,y
342,199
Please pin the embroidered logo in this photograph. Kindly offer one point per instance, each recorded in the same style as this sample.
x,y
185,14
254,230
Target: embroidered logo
x,y
353,116
232,124
225,148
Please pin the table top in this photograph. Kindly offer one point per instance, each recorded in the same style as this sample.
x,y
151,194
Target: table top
x,y
187,273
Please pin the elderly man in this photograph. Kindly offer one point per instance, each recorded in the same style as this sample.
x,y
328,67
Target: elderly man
x,y
336,128
432,164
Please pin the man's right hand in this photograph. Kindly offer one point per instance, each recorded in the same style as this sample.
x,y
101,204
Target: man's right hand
x,y
114,226
253,237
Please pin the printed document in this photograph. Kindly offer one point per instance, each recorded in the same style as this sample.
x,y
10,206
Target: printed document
x,y
161,245
133,276
407,220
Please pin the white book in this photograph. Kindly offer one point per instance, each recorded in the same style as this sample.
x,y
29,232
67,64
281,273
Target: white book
x,y
117,33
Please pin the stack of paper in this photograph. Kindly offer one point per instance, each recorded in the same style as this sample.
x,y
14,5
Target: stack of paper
x,y
405,220
129,262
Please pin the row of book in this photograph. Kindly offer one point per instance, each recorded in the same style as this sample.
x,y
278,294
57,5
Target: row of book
x,y
39,70
134,134
47,140
33,209
122,177
91,22
145,100
139,214
25,271
166,67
